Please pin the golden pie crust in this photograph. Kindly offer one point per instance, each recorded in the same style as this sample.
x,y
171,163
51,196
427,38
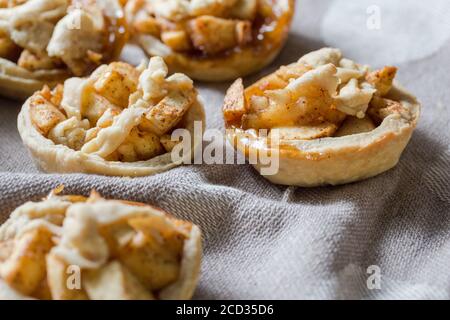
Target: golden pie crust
x,y
352,149
268,36
122,251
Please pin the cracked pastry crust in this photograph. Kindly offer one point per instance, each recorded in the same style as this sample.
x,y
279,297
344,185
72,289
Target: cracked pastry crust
x,y
77,248
117,122
44,42
211,40
330,120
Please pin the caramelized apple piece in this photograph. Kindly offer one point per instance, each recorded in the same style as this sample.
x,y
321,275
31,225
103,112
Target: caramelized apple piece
x,y
44,115
382,79
234,105
35,62
57,278
168,112
25,268
213,35
117,83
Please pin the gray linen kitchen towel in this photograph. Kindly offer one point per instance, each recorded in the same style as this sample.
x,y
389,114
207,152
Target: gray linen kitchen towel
x,y
264,241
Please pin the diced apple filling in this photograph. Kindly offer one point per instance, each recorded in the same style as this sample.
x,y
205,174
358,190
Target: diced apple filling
x,y
322,95
120,113
207,26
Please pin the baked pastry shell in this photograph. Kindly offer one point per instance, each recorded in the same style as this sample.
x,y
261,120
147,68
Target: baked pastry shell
x,y
182,289
19,83
338,160
56,158
233,64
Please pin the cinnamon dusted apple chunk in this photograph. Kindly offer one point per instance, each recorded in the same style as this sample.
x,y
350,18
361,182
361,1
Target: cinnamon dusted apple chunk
x,y
44,114
117,82
24,269
234,106
168,112
213,35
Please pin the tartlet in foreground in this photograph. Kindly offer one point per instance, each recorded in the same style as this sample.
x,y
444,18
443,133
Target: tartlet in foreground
x,y
77,248
329,120
47,41
117,122
212,40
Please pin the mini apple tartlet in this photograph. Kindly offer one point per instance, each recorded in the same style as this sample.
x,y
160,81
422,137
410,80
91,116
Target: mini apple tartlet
x,y
117,122
77,248
326,119
211,40
47,41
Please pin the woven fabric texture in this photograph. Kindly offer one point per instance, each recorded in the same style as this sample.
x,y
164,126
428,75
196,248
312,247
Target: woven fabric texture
x,y
263,241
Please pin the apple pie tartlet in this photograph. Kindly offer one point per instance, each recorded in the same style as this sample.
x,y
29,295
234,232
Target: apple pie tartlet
x,y
47,41
211,40
325,118
117,122
77,248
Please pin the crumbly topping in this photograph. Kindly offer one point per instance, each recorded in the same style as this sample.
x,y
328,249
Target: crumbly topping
x,y
207,26
56,34
354,93
311,98
123,250
119,113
